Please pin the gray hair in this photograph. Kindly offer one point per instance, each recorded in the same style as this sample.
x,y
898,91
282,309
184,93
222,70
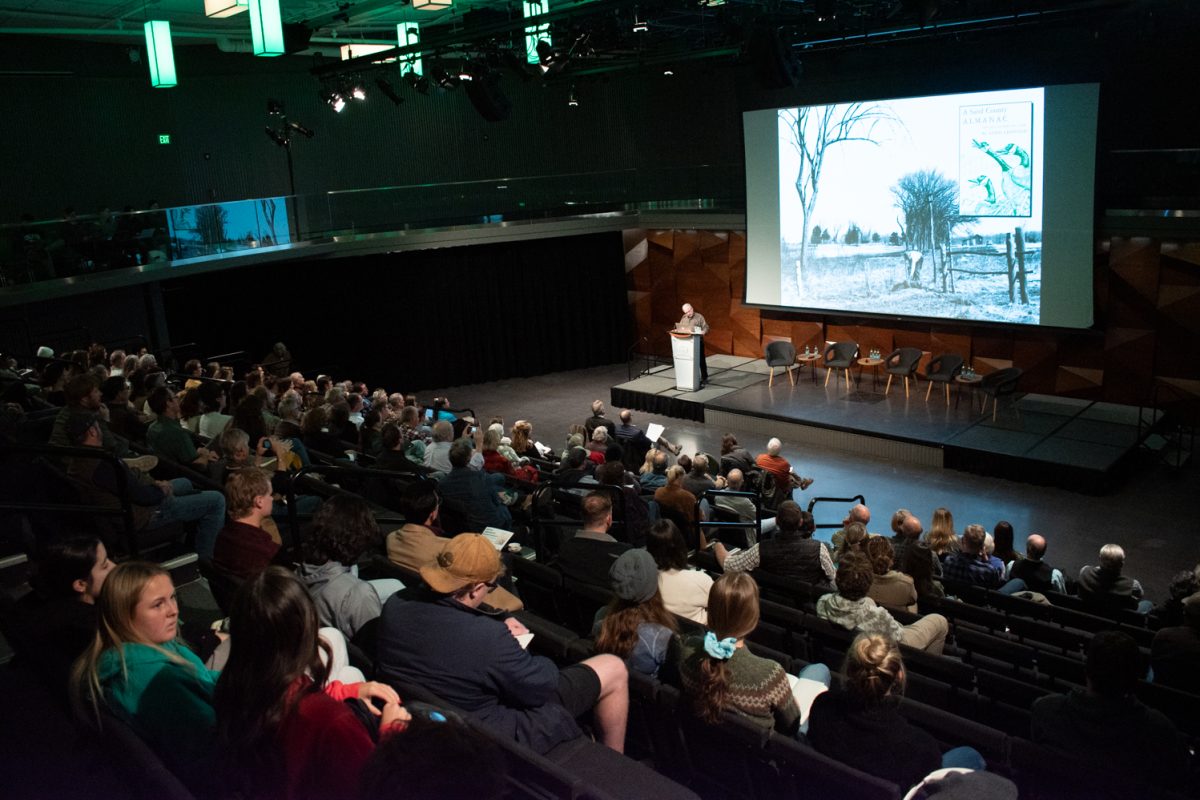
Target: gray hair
x,y
1112,556
774,446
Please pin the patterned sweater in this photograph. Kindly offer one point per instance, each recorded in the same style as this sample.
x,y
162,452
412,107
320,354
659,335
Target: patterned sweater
x,y
758,687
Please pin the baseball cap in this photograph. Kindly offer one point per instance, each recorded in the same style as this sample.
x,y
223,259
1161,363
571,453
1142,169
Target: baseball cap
x,y
468,558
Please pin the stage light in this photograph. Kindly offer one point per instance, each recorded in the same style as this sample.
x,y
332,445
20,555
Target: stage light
x,y
307,133
826,10
668,72
266,28
358,91
160,54
431,5
274,108
350,51
278,137
419,83
388,90
639,25
335,100
573,98
218,9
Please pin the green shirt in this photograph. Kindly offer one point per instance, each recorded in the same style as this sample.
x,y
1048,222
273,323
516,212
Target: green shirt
x,y
169,439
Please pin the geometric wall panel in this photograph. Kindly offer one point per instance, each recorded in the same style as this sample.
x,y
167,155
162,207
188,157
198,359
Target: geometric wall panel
x,y
1077,382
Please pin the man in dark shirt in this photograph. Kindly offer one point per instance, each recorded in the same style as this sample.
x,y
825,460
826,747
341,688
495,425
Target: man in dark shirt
x,y
589,554
1107,725
598,420
474,661
969,565
243,547
1037,574
1106,589
1175,651
475,490
698,481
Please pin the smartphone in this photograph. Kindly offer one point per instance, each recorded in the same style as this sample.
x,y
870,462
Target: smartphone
x,y
428,414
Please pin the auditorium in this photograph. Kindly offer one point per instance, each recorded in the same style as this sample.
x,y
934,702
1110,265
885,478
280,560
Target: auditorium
x,y
586,399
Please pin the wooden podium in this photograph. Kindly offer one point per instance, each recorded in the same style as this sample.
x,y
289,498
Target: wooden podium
x,y
685,348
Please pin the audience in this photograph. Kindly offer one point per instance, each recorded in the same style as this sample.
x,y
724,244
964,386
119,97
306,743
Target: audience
x,y
1106,724
719,673
168,438
474,661
861,726
635,625
698,481
919,564
854,540
597,419
1104,588
908,537
282,728
122,419
1034,571
791,553
942,539
656,475
1002,536
853,610
734,456
477,492
342,530
249,542
588,556
675,499
860,514
781,470
969,564
684,590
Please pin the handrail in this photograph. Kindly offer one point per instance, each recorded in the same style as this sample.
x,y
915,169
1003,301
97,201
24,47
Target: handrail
x,y
857,499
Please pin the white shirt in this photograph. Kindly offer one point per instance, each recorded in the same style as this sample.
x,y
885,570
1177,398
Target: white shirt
x,y
685,592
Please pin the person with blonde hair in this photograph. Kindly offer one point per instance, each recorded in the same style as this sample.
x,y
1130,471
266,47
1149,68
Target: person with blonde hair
x,y
861,725
889,588
941,538
720,674
675,497
139,668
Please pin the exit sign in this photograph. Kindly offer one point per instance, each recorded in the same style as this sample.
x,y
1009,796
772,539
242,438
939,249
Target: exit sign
x,y
164,138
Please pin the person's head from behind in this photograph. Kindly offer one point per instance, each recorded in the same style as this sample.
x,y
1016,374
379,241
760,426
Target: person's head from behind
x,y
854,538
700,465
248,494
576,456
342,529
660,462
491,439
774,446
666,546
74,567
460,453
973,540
1003,535
1035,547
1114,664
427,761
789,517
859,513
83,430
735,480
943,521
443,431
911,527
160,400
235,446
636,600
600,435
466,569
114,390
614,453
626,416
729,443
1112,558
854,576
733,612
419,503
881,554
898,519
597,408
874,670
82,391
675,475
597,512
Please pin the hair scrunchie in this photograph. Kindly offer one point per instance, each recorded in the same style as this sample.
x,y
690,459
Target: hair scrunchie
x,y
721,649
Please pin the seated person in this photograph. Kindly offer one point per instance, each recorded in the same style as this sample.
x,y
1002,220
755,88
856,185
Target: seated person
x,y
122,419
282,727
1175,650
1106,589
635,626
676,498
476,491
970,563
853,610
1107,725
212,405
342,530
589,555
155,504
250,541
889,588
1034,571
790,553
168,438
418,543
698,481
861,726
685,591
54,624
718,672
655,475
474,662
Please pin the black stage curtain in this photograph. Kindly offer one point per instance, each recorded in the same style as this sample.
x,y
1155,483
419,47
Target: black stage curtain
x,y
421,320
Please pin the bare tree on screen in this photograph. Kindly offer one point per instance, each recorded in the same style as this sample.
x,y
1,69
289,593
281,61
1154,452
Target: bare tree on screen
x,y
929,202
813,131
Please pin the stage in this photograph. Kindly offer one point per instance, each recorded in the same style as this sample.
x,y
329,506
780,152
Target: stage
x,y
1073,443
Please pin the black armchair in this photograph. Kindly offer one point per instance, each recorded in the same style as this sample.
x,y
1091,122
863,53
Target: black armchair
x,y
781,354
1001,383
943,369
840,355
902,361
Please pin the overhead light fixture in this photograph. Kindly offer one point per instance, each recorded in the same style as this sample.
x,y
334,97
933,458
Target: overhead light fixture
x,y
407,35
350,51
160,54
334,99
536,34
431,5
307,133
358,91
389,91
668,72
266,28
274,108
218,9
419,83
573,97
278,137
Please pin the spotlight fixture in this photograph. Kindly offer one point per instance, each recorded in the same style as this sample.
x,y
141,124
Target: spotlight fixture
x,y
278,137
826,10
307,133
389,91
274,108
442,78
668,72
573,97
335,100
418,82
358,92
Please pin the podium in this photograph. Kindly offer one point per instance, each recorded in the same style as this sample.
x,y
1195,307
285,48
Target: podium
x,y
685,348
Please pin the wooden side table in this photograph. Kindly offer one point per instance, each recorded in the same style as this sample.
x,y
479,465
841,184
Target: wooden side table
x,y
970,383
874,364
811,360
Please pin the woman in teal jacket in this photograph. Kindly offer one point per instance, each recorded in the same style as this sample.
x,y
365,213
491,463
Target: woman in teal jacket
x,y
139,667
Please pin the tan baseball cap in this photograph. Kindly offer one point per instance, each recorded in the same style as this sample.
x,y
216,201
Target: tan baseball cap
x,y
468,558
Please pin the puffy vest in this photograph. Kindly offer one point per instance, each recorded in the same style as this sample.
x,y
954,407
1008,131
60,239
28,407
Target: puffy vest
x,y
792,556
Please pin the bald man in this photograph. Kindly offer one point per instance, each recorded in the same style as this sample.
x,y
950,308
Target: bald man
x,y
735,481
694,323
1037,574
858,513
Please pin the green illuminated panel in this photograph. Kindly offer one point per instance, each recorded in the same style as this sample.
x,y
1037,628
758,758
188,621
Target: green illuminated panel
x,y
409,33
266,27
535,33
164,138
159,54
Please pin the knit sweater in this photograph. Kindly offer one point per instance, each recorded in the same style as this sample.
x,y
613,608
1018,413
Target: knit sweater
x,y
758,687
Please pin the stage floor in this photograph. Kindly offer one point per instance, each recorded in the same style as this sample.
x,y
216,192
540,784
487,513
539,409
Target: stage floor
x,y
1038,438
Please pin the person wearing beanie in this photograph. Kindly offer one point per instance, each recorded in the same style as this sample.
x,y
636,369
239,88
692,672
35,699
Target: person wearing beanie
x,y
475,660
635,625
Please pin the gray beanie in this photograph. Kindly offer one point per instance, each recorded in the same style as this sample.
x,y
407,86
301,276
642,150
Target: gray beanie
x,y
634,576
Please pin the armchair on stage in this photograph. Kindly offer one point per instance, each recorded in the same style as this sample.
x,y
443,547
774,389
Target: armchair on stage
x,y
840,355
780,354
685,349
